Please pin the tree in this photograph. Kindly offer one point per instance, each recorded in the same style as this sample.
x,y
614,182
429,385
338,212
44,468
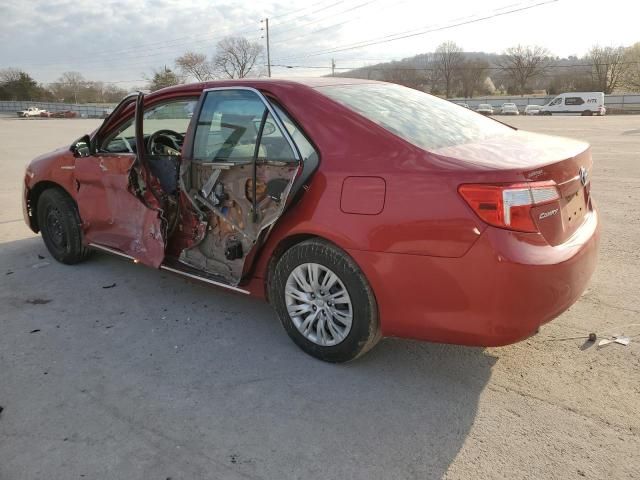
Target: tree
x,y
472,76
162,78
632,77
523,63
403,74
447,60
236,57
608,67
195,65
68,87
18,85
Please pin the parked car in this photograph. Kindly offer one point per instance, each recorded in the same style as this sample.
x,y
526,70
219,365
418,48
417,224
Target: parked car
x,y
532,110
31,112
463,105
485,109
358,209
576,103
509,109
64,114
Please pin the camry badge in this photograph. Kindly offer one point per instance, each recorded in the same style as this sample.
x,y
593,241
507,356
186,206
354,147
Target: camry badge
x,y
584,175
548,214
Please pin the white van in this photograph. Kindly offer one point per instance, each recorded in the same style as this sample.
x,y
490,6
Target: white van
x,y
576,103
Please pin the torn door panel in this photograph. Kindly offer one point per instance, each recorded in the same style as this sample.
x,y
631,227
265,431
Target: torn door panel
x,y
113,214
223,196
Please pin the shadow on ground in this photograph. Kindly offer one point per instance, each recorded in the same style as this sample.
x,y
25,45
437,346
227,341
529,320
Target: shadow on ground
x,y
156,378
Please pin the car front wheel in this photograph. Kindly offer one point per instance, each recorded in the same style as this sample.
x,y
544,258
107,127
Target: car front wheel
x,y
324,301
59,224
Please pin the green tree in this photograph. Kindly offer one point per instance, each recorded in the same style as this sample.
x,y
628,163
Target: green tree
x,y
162,78
18,85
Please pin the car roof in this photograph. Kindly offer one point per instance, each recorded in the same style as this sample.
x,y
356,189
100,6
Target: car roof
x,y
309,82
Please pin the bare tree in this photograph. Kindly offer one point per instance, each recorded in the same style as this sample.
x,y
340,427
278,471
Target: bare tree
x,y
10,75
447,60
472,76
68,87
524,63
195,65
608,67
236,57
403,74
632,78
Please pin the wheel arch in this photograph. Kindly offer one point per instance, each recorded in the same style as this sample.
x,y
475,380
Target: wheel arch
x,y
291,241
33,195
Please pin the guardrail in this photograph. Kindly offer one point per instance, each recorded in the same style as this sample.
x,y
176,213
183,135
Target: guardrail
x,y
623,103
83,111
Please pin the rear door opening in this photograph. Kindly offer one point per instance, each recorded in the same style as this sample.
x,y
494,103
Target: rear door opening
x,y
236,179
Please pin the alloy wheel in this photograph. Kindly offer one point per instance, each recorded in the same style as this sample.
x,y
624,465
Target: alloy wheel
x,y
318,304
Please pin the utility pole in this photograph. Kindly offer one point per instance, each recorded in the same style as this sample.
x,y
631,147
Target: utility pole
x,y
333,67
266,22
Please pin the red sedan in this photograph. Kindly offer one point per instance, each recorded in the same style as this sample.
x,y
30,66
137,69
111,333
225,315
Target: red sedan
x,y
359,209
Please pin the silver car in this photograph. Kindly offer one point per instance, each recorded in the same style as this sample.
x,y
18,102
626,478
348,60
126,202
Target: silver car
x,y
532,109
485,109
509,109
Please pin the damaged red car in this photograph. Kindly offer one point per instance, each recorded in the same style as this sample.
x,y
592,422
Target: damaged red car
x,y
358,209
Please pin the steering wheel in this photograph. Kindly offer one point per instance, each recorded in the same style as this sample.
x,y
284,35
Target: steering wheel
x,y
167,138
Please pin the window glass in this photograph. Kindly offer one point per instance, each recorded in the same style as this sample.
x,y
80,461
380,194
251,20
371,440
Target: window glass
x,y
424,120
573,101
174,115
228,129
557,101
304,146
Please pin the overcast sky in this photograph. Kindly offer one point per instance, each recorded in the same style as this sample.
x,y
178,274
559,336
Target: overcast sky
x,y
123,40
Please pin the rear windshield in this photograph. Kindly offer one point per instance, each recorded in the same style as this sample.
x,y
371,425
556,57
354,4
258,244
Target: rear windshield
x,y
424,120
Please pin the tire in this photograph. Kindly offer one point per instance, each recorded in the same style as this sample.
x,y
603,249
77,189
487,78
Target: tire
x,y
587,113
339,343
59,224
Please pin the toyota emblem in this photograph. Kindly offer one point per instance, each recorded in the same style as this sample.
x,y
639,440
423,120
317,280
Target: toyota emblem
x,y
584,175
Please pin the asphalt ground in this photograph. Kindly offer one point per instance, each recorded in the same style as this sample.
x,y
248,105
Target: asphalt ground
x,y
158,378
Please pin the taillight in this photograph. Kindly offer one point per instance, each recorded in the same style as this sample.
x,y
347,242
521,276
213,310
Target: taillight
x,y
509,206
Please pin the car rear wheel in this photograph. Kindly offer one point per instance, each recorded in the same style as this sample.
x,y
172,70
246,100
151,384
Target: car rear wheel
x,y
587,113
324,301
59,224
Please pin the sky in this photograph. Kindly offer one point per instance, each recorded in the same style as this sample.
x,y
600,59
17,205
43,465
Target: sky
x,y
123,41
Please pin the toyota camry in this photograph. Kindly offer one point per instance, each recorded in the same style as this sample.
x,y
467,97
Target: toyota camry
x,y
358,209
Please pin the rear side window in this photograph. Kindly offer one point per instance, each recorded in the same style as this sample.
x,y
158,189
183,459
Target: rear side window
x,y
228,129
422,119
573,101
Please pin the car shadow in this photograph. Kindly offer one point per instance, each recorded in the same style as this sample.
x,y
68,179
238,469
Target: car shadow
x,y
155,376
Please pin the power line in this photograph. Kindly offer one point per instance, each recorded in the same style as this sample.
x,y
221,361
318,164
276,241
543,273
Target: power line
x,y
334,25
327,7
403,35
427,69
355,7
182,40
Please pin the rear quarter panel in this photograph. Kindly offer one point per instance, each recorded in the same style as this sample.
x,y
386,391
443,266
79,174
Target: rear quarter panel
x,y
422,214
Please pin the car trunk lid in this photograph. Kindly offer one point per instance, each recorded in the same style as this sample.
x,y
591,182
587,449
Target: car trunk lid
x,y
524,157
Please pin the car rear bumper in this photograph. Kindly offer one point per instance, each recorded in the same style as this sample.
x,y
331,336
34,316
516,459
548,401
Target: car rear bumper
x,y
500,292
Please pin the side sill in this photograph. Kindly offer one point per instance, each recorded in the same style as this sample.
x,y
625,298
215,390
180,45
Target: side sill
x,y
178,271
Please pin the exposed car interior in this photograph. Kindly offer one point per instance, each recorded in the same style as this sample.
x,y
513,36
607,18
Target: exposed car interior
x,y
246,154
238,180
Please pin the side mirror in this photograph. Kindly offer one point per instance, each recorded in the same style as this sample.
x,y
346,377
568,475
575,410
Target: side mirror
x,y
81,147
